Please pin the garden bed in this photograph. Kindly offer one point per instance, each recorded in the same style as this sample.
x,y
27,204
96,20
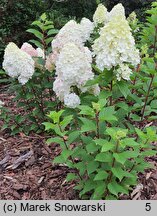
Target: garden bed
x,y
27,171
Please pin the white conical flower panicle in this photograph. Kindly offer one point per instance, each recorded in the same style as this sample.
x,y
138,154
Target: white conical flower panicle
x,y
123,72
18,64
101,15
73,32
28,48
115,45
117,11
72,100
73,66
61,88
70,32
86,28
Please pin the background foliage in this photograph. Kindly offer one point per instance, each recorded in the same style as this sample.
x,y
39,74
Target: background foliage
x,y
17,15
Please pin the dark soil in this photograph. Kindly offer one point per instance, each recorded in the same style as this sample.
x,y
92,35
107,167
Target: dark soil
x,y
27,171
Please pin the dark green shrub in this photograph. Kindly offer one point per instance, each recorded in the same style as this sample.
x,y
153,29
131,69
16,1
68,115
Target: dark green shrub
x,y
16,16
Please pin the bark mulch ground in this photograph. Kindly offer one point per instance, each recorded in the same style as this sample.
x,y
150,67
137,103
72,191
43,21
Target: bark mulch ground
x,y
27,171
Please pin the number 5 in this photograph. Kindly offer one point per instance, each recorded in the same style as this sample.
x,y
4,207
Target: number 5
x,y
148,207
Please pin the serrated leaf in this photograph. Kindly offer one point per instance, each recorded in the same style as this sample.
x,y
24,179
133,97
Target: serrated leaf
x,y
37,23
66,153
81,167
36,33
86,110
122,157
92,147
57,140
101,175
73,136
92,166
37,43
71,176
52,32
106,146
48,126
116,188
66,121
89,185
59,159
104,157
47,27
153,104
107,114
99,191
123,87
128,142
43,17
119,158
49,40
120,173
88,125
55,116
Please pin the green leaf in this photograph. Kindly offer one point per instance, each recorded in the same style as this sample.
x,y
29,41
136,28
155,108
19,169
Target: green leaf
x,y
86,110
66,121
119,158
99,191
36,33
71,176
106,146
49,40
91,147
73,136
153,104
88,125
43,17
141,134
81,167
89,185
120,173
37,43
66,153
57,140
47,27
101,175
59,159
92,82
124,88
55,116
37,23
128,142
92,166
104,157
48,126
122,157
122,105
107,114
52,32
116,188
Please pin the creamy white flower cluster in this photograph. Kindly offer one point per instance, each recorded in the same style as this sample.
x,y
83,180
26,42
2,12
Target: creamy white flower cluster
x,y
73,32
18,64
116,44
73,68
101,15
29,49
123,72
72,60
72,100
